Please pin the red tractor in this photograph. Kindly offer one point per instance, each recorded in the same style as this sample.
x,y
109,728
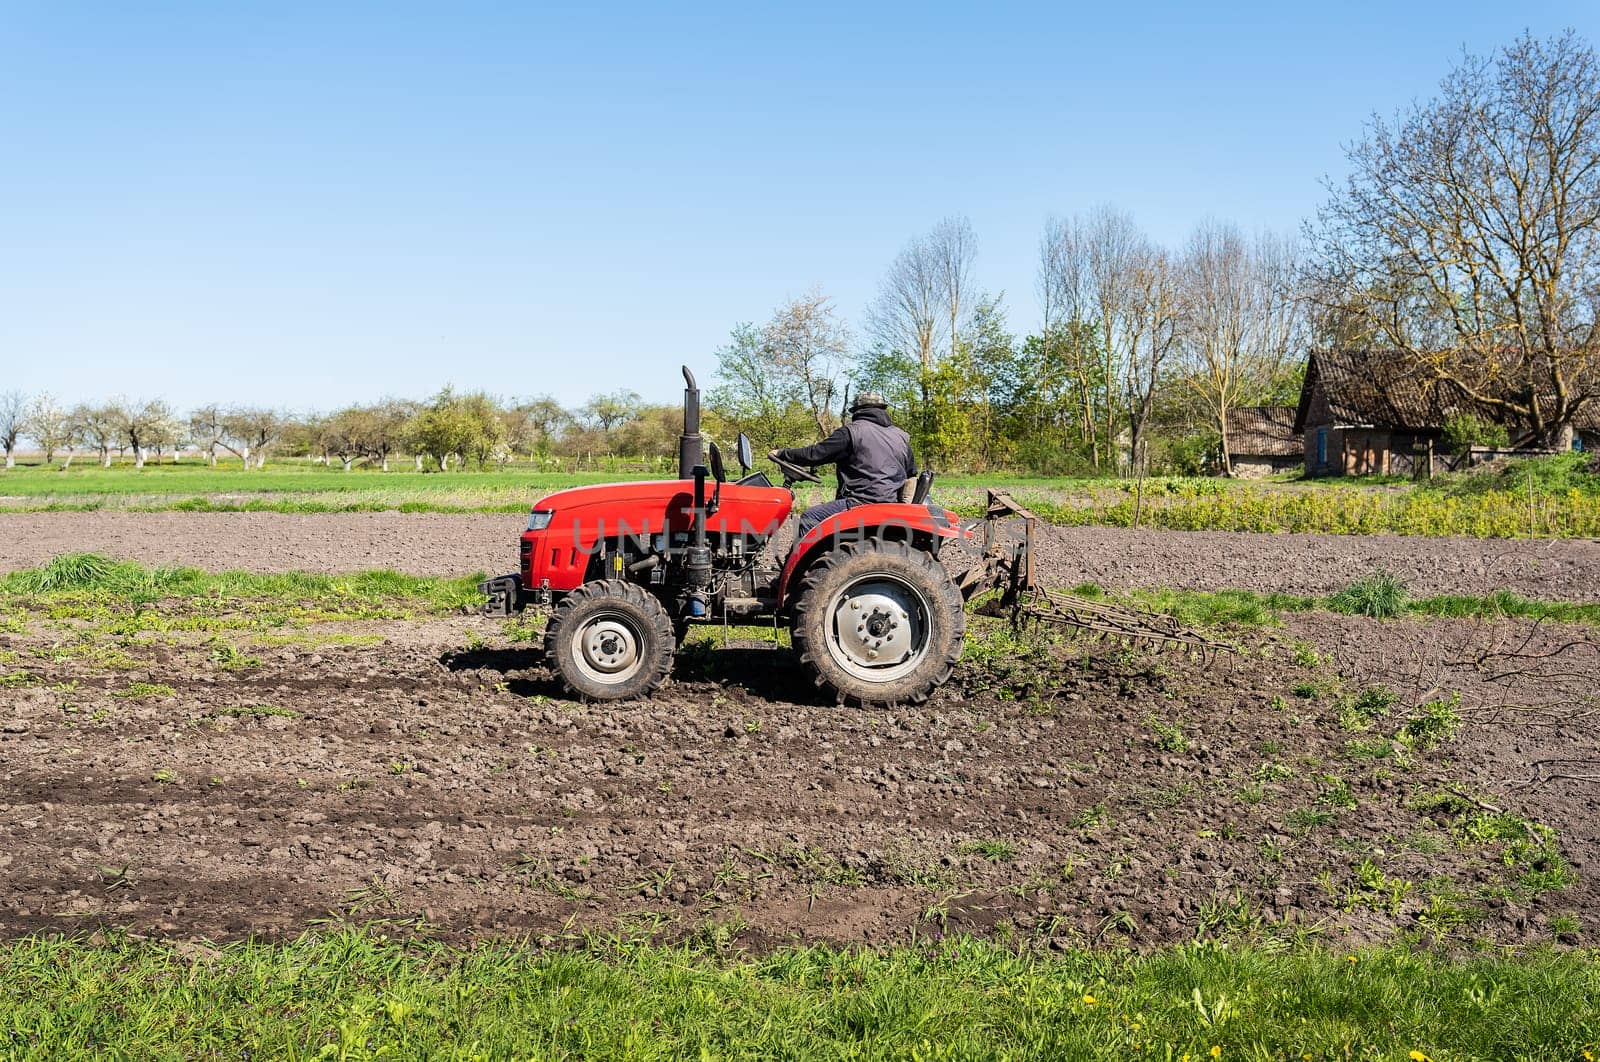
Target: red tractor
x,y
627,568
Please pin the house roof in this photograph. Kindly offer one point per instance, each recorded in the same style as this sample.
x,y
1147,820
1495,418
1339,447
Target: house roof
x,y
1381,389
1264,431
1364,387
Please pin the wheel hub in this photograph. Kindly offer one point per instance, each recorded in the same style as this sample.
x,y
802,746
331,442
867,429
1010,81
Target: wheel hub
x,y
608,649
878,628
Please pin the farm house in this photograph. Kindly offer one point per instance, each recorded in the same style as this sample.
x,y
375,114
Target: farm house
x,y
1364,413
1263,440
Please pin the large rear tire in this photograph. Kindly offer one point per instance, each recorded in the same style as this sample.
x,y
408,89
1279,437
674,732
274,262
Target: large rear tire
x,y
610,641
879,622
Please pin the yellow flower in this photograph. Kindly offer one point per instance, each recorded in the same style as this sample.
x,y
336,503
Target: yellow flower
x,y
1351,958
1418,1056
1216,1051
1089,1000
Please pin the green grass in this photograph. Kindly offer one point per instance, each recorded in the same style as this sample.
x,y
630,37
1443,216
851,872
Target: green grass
x,y
354,995
1564,502
1248,608
88,577
1380,595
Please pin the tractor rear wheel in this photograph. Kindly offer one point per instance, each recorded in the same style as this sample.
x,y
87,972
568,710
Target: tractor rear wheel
x,y
610,641
879,622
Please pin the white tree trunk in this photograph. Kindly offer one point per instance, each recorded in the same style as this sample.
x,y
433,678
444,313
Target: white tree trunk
x,y
386,464
11,462
261,460
346,462
138,457
105,458
419,462
212,454
68,463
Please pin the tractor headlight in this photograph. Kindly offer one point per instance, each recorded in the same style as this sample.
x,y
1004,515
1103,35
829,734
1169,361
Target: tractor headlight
x,y
539,519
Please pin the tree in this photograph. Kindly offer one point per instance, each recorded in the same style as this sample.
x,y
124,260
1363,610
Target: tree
x,y
145,426
452,425
13,411
1154,320
1241,319
923,300
386,429
531,425
100,427
1466,237
206,430
345,434
50,425
250,433
807,345
1070,341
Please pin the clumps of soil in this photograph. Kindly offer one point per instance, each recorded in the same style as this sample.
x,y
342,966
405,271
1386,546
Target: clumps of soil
x,y
1059,792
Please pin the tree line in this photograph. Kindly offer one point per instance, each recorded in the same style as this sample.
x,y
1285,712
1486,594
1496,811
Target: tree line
x,y
1464,245
448,430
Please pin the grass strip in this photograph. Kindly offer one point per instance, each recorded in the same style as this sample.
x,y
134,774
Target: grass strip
x,y
90,577
356,995
1251,609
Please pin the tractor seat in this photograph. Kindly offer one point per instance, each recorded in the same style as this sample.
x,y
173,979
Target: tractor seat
x,y
915,490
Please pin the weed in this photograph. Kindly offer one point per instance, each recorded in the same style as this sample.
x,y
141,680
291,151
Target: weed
x,y
994,850
1433,723
1168,737
1362,710
256,711
140,690
226,655
1088,819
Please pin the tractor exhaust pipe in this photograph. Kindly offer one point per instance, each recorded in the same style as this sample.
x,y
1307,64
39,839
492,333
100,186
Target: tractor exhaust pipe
x,y
690,445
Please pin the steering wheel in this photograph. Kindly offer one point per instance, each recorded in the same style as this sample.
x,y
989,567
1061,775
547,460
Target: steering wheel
x,y
795,473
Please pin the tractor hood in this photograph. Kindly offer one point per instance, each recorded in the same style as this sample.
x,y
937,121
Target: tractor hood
x,y
653,506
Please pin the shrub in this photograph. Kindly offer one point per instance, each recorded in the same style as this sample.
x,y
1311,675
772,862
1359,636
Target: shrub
x,y
1381,595
1462,431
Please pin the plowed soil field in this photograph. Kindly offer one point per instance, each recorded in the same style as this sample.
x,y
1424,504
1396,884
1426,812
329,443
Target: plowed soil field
x,y
429,772
440,544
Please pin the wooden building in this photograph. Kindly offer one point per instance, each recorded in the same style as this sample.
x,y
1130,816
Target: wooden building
x,y
1263,440
1365,413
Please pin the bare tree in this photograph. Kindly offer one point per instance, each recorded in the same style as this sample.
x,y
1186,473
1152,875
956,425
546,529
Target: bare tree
x,y
1240,319
205,429
13,411
806,342
954,248
1089,268
1154,318
926,296
1467,237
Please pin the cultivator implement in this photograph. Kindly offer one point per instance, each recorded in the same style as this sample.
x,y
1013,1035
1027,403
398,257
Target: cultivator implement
x,y
1007,566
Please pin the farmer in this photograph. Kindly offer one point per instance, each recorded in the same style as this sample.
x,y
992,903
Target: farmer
x,y
872,459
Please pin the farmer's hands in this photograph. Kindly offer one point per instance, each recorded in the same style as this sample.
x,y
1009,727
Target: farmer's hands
x,y
773,454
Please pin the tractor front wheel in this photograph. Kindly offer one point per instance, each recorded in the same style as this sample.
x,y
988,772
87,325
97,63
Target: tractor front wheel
x,y
879,622
610,641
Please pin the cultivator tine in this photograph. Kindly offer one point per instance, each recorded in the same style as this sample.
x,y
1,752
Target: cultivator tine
x,y
1024,601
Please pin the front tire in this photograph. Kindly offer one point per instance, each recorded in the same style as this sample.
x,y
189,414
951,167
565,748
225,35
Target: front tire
x,y
879,622
610,641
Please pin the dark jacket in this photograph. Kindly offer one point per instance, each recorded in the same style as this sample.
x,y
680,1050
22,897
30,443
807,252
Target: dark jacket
x,y
873,458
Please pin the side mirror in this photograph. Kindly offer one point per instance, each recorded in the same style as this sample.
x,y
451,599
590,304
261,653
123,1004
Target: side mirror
x,y
747,460
718,471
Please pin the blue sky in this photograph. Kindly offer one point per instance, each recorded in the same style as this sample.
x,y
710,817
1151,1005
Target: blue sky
x,y
312,204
